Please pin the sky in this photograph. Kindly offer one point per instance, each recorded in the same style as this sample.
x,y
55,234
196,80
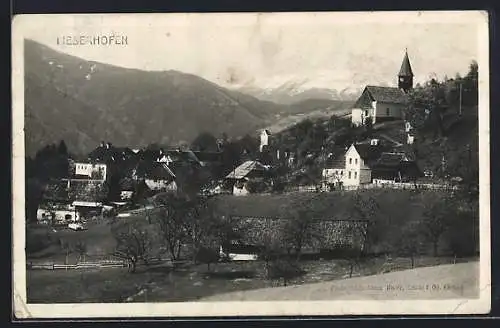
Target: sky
x,y
325,50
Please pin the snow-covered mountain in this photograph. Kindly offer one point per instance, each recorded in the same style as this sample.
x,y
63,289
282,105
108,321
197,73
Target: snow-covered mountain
x,y
294,91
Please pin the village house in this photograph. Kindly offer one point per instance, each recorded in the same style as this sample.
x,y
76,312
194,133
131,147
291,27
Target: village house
x,y
384,103
156,175
241,175
94,171
57,213
264,139
369,163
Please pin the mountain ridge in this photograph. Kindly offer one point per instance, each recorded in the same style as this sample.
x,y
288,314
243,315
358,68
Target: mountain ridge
x,y
85,102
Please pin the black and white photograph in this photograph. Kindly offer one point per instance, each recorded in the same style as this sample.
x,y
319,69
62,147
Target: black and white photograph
x,y
225,164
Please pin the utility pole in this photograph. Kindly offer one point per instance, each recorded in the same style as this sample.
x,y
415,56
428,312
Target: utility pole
x,y
460,101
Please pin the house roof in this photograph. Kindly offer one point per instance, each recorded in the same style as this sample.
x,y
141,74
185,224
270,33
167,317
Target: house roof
x,y
391,159
56,190
90,191
406,67
244,169
154,170
336,162
205,156
369,153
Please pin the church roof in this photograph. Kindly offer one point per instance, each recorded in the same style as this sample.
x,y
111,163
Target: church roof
x,y
387,94
406,67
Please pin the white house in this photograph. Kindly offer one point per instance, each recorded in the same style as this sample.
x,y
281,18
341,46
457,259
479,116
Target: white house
x,y
354,167
264,139
380,104
369,163
62,214
384,103
95,171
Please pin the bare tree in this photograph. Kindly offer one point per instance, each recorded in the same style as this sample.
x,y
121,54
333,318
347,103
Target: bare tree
x,y
171,220
133,243
410,241
80,248
436,218
298,231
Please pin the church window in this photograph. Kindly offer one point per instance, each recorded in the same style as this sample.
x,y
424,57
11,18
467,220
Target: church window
x,y
350,160
355,161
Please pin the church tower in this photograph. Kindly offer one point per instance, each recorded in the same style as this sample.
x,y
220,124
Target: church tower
x,y
405,76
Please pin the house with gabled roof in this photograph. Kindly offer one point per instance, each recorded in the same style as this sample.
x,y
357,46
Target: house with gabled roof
x,y
380,103
367,163
249,170
156,175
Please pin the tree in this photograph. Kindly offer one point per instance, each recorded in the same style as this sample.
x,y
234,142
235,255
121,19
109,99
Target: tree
x,y
299,230
80,248
133,243
410,241
364,210
437,212
62,149
205,141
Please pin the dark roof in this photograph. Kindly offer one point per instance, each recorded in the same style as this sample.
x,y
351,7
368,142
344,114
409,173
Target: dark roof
x,y
369,153
183,155
127,184
109,153
205,156
406,67
89,191
391,159
56,191
153,170
336,162
386,94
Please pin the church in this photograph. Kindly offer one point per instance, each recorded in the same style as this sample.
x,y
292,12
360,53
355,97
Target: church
x,y
384,103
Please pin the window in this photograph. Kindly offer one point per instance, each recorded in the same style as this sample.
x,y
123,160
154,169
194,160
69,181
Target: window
x,y
366,112
355,175
349,174
388,111
350,160
341,172
355,161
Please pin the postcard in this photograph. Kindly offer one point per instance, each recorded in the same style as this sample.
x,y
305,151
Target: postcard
x,y
250,164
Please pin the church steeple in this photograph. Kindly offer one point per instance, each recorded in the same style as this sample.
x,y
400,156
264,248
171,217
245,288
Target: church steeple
x,y
405,76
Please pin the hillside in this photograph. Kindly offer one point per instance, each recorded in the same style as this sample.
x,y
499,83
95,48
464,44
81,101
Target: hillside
x,y
86,102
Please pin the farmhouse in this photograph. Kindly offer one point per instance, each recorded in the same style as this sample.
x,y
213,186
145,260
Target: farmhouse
x,y
384,103
94,171
249,170
156,175
57,213
367,163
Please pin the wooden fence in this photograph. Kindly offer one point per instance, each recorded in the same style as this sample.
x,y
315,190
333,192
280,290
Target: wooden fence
x,y
102,264
80,265
400,186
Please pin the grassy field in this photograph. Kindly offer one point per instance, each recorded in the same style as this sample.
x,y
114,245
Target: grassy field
x,y
189,283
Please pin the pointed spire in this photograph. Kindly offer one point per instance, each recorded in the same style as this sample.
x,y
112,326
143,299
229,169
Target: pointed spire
x,y
405,66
